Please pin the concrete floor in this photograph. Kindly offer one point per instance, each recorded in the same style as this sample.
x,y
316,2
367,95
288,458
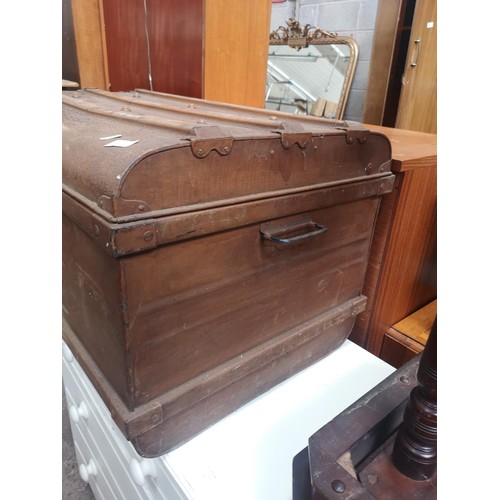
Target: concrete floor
x,y
73,488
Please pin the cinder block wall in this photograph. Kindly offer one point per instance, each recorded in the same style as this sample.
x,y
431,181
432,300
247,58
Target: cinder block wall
x,y
354,18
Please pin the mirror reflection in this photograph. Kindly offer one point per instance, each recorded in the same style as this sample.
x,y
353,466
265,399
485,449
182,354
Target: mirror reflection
x,y
309,71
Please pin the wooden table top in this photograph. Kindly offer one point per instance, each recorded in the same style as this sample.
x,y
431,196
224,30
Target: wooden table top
x,y
418,325
410,149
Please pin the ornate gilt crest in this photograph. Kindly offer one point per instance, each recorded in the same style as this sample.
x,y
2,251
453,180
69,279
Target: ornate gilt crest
x,y
298,36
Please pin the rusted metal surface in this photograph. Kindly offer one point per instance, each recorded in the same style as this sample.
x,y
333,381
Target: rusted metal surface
x,y
167,128
216,256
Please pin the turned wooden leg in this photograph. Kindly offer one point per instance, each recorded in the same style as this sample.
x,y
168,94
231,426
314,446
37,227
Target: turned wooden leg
x,y
415,448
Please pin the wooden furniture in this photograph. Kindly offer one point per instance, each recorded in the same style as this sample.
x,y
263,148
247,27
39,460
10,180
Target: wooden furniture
x,y
236,37
417,108
408,337
385,50
148,47
210,253
402,84
215,50
401,276
415,449
384,446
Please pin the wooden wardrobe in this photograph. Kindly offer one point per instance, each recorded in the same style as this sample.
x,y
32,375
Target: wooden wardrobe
x,y
196,48
402,87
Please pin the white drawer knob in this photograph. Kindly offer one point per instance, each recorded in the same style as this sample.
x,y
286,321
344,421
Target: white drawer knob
x,y
139,470
67,354
87,470
75,413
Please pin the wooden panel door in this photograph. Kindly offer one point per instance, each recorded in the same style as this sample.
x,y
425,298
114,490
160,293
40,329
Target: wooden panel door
x,y
155,45
418,103
195,48
127,52
384,44
176,41
236,46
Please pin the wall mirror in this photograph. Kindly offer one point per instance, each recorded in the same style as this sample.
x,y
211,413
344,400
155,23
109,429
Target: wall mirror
x,y
309,70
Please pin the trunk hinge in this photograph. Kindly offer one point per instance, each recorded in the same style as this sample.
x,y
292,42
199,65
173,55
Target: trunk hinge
x,y
208,138
354,131
293,133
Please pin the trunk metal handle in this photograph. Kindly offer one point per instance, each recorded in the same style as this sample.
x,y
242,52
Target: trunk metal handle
x,y
280,238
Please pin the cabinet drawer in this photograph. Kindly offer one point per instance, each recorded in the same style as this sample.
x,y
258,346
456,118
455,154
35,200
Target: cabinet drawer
x,y
101,440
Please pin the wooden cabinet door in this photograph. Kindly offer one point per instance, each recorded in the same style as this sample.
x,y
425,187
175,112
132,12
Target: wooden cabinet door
x,y
196,48
417,106
236,46
156,45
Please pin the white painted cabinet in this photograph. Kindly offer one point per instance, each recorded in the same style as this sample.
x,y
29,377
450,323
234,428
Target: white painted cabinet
x,y
247,455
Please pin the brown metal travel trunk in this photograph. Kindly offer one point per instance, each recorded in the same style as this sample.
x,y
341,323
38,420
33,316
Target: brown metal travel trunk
x,y
221,253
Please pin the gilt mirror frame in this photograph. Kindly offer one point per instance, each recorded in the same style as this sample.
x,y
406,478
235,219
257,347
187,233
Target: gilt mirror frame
x,y
298,37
